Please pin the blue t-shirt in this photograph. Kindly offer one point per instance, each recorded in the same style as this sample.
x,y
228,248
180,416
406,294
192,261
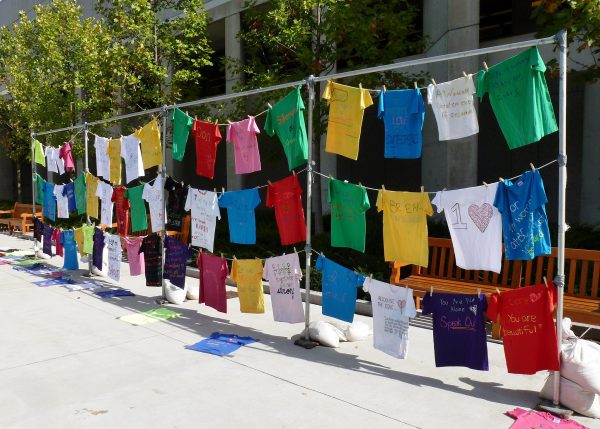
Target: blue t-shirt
x,y
339,289
49,206
524,220
67,238
240,207
403,113
176,256
69,192
458,329
221,344
47,245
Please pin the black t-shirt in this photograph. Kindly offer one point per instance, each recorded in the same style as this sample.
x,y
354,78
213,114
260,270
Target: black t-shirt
x,y
152,259
47,247
175,204
38,229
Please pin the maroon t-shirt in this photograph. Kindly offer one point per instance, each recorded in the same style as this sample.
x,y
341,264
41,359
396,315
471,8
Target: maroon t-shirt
x,y
213,271
122,209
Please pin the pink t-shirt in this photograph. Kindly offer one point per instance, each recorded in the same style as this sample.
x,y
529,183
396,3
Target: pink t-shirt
x,y
67,157
245,146
213,271
540,420
136,259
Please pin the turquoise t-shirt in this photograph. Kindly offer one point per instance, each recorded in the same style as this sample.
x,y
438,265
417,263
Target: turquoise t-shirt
x,y
240,207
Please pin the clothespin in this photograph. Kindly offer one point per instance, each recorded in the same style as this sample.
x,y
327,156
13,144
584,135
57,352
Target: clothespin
x,y
478,291
294,171
215,190
269,182
384,88
498,291
431,291
359,183
295,251
532,167
486,185
217,122
234,258
383,187
269,104
464,74
371,276
415,84
195,117
433,81
222,189
485,66
545,281
422,188
501,179
360,85
222,256
330,176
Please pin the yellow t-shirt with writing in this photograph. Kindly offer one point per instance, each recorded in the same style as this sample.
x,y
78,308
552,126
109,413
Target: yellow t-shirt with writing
x,y
247,274
114,155
346,108
149,136
405,226
90,194
78,233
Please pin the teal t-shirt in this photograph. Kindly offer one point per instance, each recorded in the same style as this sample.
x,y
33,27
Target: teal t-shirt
x,y
39,189
139,219
286,118
81,194
349,203
519,96
182,124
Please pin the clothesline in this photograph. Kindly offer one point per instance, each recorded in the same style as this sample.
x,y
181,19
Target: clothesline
x,y
420,88
198,250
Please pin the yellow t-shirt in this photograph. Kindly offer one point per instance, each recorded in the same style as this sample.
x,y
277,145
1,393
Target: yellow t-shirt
x,y
149,136
78,232
405,226
114,154
92,200
346,108
247,273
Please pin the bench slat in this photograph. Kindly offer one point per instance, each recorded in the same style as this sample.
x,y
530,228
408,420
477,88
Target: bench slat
x,y
595,279
572,273
583,278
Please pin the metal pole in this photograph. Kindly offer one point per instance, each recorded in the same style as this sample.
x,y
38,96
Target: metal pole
x,y
87,170
163,172
559,280
33,188
309,177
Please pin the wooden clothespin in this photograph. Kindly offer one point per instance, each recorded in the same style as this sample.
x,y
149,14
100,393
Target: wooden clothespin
x,y
295,251
383,187
478,291
234,258
532,167
545,281
431,291
269,182
433,81
269,104
485,66
485,184
294,171
195,117
501,179
384,88
498,291
422,188
222,189
215,190
217,122
464,74
222,256
359,183
415,84
360,85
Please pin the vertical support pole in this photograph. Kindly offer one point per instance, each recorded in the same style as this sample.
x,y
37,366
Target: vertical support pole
x,y
163,173
559,280
33,187
87,170
309,179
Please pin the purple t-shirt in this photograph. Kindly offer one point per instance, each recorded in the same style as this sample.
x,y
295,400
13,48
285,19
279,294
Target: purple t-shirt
x,y
38,229
176,256
47,246
98,248
458,329
69,192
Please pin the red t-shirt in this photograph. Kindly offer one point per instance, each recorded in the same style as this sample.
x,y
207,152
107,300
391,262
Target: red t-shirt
x,y
286,196
207,136
122,209
56,238
529,333
213,272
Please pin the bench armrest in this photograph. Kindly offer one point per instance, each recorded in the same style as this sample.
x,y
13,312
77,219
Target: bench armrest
x,y
26,215
7,212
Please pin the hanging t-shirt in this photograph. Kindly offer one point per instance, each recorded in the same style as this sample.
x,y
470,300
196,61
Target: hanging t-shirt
x,y
459,337
153,193
152,259
134,257
114,155
54,162
59,248
69,192
240,207
540,420
38,229
475,226
528,330
78,236
453,107
132,155
182,124
286,196
339,289
213,272
405,226
519,96
98,248
38,153
87,240
205,211
286,118
62,202
139,219
149,136
403,113
80,194
283,274
91,195
207,136
346,108
65,154
113,243
49,206
348,206
104,191
245,146
67,238
177,195
47,245
524,220
393,307
39,189
102,160
122,209
247,274
176,256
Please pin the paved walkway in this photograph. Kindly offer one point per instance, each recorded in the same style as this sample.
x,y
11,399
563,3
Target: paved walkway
x,y
66,361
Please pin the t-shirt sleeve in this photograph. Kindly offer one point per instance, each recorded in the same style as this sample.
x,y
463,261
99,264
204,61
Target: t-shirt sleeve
x,y
427,209
328,91
482,86
225,268
229,136
234,270
188,201
270,196
367,284
217,134
380,200
535,60
365,99
265,273
330,195
427,304
417,106
62,237
301,106
366,204
430,93
142,247
224,200
319,264
437,201
381,105
552,295
538,193
484,303
499,199
410,309
516,413
296,267
194,127
252,127
470,84
64,191
360,280
215,209
269,129
255,198
493,308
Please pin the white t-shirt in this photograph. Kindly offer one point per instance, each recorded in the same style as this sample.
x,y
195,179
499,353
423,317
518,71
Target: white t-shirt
x,y
104,191
54,162
475,226
102,159
205,211
131,153
392,308
153,193
452,104
284,274
113,244
62,202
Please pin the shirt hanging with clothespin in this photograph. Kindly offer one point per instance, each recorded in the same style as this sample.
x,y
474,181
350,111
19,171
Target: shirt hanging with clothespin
x,y
149,136
240,207
207,137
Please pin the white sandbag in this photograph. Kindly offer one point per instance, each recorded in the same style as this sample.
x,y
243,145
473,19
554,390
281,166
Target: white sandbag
x,y
324,333
573,396
174,294
97,272
42,255
193,289
580,361
355,331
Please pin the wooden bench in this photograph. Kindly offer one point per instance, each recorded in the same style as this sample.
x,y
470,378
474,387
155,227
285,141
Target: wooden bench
x,y
20,217
582,272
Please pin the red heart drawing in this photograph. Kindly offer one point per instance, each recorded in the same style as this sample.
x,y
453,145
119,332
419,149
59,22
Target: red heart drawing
x,y
481,216
534,297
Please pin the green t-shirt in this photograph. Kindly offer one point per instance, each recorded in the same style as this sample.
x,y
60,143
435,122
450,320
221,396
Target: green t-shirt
x,y
88,239
39,189
139,219
38,153
182,124
81,194
519,96
286,118
349,203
